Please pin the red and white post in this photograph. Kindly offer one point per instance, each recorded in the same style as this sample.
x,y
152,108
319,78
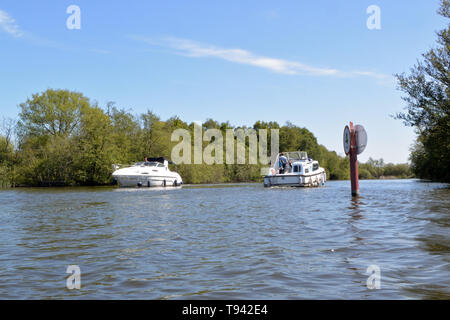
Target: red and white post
x,y
354,175
350,148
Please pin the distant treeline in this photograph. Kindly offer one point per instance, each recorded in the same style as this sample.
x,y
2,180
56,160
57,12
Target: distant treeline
x,y
377,169
61,138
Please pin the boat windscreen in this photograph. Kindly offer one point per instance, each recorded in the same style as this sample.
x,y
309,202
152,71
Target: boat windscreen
x,y
147,164
297,155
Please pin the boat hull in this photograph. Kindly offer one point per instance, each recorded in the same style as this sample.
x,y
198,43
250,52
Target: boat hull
x,y
295,180
147,181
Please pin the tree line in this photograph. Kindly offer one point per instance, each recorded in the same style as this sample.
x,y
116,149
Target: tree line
x,y
61,138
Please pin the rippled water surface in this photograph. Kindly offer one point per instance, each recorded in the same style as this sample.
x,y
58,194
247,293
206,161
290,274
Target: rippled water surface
x,y
227,242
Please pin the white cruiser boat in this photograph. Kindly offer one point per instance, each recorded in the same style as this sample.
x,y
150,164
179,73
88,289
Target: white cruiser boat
x,y
295,169
153,172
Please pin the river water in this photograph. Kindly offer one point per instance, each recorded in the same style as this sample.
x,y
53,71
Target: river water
x,y
237,241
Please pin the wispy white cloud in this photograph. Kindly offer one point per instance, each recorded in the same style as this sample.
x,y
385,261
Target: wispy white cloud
x,y
9,25
195,49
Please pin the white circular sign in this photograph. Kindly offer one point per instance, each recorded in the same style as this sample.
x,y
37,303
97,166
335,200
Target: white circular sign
x,y
346,140
361,138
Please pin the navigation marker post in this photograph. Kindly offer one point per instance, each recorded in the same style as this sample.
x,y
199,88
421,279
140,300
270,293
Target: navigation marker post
x,y
355,141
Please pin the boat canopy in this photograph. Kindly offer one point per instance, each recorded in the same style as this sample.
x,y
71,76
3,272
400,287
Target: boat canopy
x,y
296,155
159,159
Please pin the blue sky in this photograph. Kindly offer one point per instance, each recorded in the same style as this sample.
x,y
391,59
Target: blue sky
x,y
314,63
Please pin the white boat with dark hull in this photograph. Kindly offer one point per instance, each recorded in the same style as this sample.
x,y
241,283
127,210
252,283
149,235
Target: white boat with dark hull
x,y
297,171
153,172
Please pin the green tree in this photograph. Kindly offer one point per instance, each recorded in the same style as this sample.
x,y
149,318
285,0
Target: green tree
x,y
293,138
125,134
47,123
95,152
154,137
428,105
64,140
6,152
53,112
6,141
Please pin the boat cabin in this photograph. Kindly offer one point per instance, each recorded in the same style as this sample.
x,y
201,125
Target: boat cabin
x,y
160,162
296,162
149,164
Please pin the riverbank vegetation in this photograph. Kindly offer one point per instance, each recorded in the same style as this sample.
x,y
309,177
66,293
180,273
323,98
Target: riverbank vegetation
x,y
62,138
377,169
428,107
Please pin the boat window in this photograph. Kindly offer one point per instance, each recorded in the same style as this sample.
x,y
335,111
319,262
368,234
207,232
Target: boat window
x,y
306,170
296,168
160,165
315,166
151,164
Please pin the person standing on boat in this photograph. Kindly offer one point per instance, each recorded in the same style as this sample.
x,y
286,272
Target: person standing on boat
x,y
289,166
282,162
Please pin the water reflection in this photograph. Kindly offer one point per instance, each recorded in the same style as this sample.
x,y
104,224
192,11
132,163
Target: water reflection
x,y
152,189
356,207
